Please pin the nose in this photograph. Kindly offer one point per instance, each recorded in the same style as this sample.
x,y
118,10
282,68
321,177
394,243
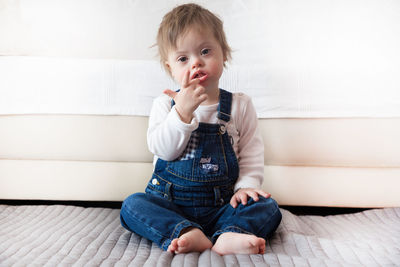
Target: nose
x,y
196,62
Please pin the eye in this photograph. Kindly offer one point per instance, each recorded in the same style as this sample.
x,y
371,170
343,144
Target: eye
x,y
182,59
205,51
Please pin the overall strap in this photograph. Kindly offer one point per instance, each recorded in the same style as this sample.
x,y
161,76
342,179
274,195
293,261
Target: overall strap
x,y
225,105
172,101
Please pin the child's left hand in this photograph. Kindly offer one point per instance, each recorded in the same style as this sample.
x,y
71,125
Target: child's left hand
x,y
242,195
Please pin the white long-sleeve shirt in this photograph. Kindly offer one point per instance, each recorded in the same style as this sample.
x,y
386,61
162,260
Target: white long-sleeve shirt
x,y
167,135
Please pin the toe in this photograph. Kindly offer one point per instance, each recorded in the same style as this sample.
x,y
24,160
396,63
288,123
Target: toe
x,y
182,242
261,250
260,241
173,246
261,245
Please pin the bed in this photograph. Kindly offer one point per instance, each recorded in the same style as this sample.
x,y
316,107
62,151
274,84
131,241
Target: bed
x,y
74,106
57,235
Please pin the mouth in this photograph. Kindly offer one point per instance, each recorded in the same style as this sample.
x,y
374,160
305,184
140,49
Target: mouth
x,y
199,75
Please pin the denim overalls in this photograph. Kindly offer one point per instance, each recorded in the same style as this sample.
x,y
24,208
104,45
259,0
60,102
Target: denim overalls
x,y
195,189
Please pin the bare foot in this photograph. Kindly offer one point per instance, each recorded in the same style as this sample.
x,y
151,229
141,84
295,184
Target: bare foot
x,y
192,240
237,243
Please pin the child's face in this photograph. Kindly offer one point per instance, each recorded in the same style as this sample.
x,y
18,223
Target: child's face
x,y
199,52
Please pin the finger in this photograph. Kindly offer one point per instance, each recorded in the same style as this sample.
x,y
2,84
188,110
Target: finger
x,y
263,193
199,90
203,98
254,195
170,93
193,83
243,199
233,202
186,78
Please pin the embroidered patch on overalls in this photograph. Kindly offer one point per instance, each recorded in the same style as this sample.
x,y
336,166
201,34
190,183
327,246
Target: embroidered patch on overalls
x,y
207,166
191,147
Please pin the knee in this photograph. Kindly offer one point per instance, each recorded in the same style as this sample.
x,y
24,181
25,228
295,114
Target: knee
x,y
132,201
270,203
130,207
273,212
270,214
269,209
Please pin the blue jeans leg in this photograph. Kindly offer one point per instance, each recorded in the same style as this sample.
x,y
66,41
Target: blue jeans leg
x,y
260,218
154,218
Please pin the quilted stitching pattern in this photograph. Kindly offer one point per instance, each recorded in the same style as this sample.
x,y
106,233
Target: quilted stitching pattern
x,y
66,235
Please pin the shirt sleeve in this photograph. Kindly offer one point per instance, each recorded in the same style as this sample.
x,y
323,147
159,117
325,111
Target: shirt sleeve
x,y
251,148
167,135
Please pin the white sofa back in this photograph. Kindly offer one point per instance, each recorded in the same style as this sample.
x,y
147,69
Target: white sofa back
x,y
319,162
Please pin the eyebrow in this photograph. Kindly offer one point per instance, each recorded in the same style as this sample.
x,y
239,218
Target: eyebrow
x,y
204,44
179,52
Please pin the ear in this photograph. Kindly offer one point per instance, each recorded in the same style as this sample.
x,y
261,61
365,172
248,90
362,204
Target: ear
x,y
168,67
225,58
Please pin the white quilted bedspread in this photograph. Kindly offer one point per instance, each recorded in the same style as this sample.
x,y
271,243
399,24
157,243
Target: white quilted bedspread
x,y
57,235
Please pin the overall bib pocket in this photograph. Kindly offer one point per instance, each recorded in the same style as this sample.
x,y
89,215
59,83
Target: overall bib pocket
x,y
208,165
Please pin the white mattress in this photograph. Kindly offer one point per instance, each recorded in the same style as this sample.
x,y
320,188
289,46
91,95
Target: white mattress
x,y
69,235
40,85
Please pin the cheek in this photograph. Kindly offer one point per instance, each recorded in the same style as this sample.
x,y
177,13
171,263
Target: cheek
x,y
178,75
217,67
181,75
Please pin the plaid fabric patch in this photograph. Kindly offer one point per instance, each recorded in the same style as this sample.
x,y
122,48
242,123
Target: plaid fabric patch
x,y
190,149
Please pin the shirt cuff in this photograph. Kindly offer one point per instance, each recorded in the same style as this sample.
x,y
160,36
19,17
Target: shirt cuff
x,y
247,182
179,124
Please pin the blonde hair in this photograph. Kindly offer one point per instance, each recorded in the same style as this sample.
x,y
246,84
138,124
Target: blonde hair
x,y
176,22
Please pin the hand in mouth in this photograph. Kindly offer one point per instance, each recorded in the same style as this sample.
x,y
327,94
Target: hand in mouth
x,y
201,75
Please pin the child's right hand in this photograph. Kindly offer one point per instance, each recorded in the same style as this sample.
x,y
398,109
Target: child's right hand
x,y
189,98
242,195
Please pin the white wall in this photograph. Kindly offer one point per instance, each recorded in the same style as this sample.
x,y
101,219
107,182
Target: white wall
x,y
303,58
